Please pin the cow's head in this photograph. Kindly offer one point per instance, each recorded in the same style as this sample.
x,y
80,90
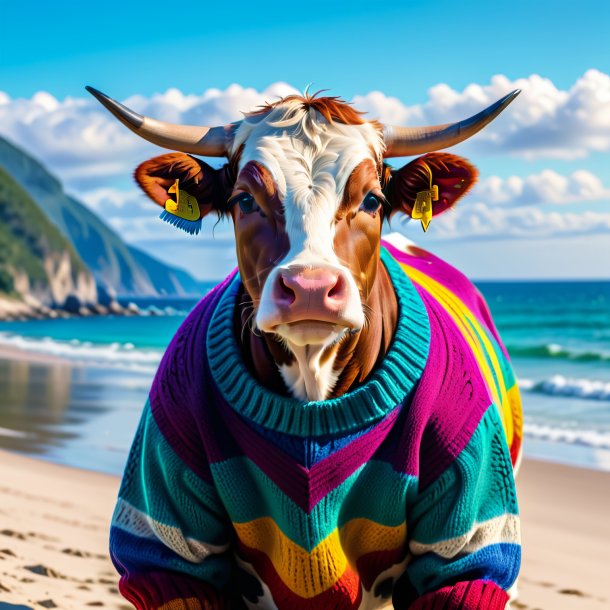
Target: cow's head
x,y
307,189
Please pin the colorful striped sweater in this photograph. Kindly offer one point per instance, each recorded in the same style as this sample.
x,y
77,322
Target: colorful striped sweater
x,y
398,494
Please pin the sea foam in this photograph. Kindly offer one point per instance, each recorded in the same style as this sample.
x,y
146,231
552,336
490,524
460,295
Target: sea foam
x,y
558,385
584,437
114,355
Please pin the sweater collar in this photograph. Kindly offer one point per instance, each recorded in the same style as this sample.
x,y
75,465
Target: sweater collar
x,y
386,387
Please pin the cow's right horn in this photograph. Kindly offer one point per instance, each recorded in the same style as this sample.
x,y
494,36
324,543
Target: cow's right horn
x,y
205,141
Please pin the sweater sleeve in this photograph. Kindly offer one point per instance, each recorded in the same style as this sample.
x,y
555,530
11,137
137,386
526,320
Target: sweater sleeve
x,y
169,536
465,534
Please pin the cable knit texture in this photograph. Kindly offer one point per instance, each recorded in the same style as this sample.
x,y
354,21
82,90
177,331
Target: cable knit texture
x,y
397,494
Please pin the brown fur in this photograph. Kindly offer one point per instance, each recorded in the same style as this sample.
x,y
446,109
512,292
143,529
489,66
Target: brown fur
x,y
211,187
454,175
331,108
261,240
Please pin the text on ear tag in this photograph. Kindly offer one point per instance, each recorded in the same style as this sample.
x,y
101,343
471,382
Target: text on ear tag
x,y
422,208
185,206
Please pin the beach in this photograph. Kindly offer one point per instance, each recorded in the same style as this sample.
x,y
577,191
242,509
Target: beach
x,y
53,536
71,394
55,519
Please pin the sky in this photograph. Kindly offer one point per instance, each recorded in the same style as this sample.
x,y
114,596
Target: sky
x,y
542,205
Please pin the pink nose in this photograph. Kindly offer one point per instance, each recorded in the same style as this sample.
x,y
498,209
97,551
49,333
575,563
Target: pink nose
x,y
311,293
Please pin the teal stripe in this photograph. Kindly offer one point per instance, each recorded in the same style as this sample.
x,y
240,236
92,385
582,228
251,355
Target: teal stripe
x,y
506,369
478,486
257,496
487,355
158,483
387,386
380,480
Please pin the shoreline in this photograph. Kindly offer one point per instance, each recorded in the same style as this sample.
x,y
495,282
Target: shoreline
x,y
55,519
579,455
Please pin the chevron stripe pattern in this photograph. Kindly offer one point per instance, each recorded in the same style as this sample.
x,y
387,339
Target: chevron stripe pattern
x,y
399,494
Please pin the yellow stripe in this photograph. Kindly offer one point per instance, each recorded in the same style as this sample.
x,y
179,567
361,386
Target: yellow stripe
x,y
514,398
362,536
479,344
305,574
308,574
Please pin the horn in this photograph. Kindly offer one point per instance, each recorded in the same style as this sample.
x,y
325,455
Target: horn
x,y
206,141
406,141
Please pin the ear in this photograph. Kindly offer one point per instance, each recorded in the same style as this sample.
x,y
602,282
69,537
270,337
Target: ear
x,y
452,175
201,188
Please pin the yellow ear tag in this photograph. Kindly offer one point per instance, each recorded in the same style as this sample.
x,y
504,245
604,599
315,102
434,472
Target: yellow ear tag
x,y
422,208
185,206
183,213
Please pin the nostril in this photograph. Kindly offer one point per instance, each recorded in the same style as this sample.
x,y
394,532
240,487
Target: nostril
x,y
284,292
338,290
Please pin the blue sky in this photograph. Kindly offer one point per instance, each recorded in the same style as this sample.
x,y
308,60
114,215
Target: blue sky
x,y
428,55
401,48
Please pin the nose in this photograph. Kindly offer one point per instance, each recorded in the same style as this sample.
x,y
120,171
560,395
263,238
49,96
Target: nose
x,y
321,292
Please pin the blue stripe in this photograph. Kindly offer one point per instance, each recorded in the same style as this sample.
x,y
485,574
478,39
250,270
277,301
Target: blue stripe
x,y
132,554
497,562
308,451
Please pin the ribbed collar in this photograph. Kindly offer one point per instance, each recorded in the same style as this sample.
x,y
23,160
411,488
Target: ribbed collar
x,y
386,387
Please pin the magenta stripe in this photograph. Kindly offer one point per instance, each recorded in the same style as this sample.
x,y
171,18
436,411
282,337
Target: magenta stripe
x,y
452,279
180,383
305,487
449,402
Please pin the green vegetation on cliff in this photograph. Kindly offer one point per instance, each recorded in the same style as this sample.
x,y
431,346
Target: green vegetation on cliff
x,y
114,264
27,238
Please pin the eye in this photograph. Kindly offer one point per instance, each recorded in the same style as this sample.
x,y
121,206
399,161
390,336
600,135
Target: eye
x,y
371,204
246,203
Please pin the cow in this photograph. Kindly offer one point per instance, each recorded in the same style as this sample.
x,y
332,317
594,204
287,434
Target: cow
x,y
336,424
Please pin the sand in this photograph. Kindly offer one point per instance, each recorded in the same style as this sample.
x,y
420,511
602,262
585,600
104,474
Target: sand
x,y
54,528
53,537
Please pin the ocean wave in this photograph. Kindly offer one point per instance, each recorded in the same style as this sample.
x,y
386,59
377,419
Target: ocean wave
x,y
586,438
554,350
114,355
153,310
9,432
558,385
543,321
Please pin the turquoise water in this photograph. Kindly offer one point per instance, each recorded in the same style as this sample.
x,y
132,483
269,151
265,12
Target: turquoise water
x,y
83,409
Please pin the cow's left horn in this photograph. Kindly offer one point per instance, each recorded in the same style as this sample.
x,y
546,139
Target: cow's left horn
x,y
406,141
206,141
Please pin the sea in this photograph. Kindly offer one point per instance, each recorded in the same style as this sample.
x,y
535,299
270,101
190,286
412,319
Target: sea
x,y
82,408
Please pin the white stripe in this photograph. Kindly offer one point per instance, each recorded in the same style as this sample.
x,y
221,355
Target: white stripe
x,y
398,240
505,528
138,523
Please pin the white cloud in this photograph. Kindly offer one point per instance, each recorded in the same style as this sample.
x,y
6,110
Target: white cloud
x,y
546,187
88,148
111,201
543,121
93,154
480,221
81,142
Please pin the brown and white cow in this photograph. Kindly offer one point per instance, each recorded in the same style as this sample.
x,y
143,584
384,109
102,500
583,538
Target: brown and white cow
x,y
307,189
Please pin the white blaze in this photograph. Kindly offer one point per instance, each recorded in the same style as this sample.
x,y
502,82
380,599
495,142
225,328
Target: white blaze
x,y
310,161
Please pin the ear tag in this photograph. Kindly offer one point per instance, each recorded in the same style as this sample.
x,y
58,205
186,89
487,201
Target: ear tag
x,y
422,208
183,213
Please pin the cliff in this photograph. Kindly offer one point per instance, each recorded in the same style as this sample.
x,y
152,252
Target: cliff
x,y
38,265
117,267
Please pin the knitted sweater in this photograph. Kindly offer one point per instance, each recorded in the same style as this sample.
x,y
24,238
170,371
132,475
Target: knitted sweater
x,y
400,492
